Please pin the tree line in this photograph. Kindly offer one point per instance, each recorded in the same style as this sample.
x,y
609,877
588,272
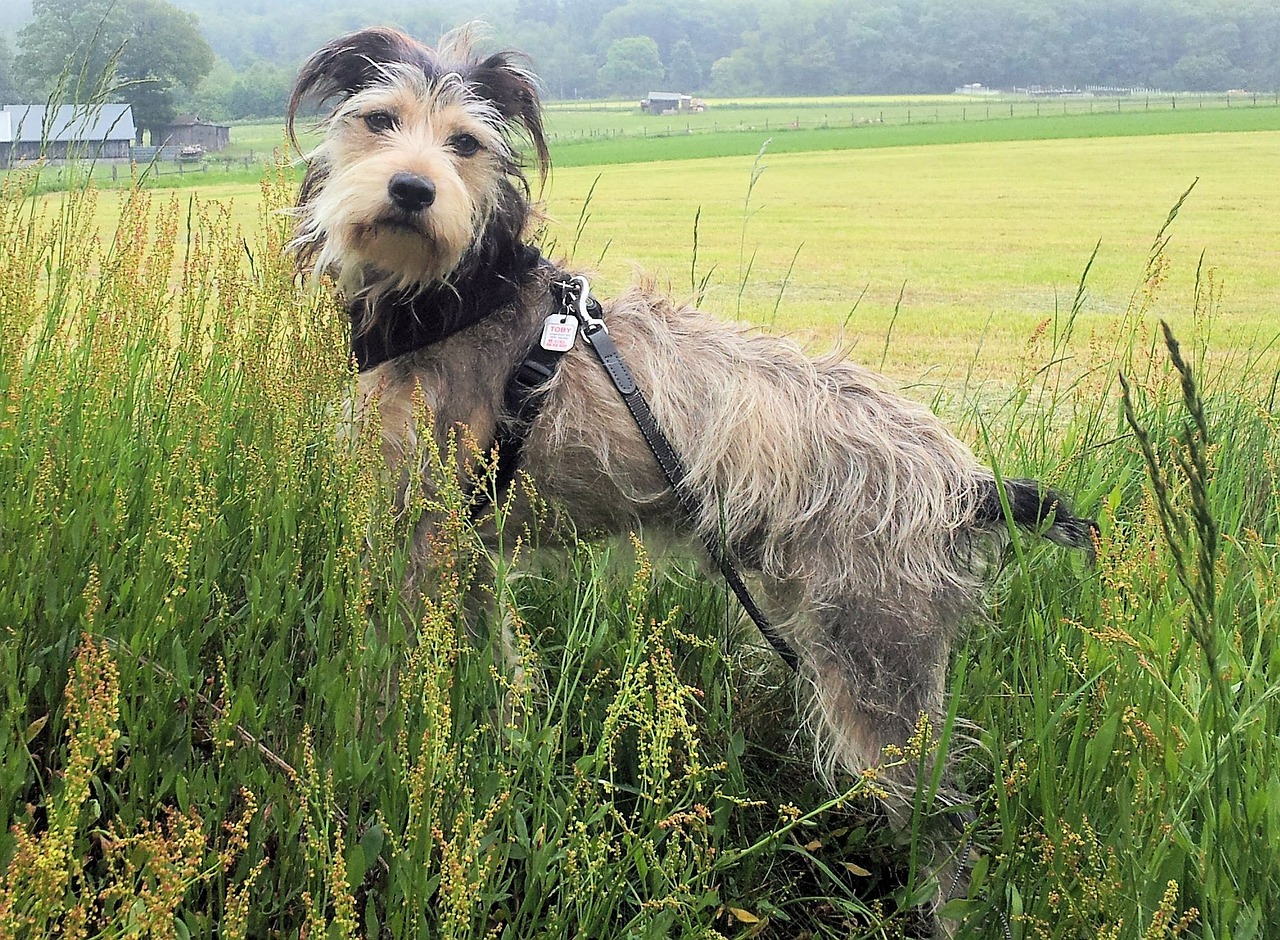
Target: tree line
x,y
237,58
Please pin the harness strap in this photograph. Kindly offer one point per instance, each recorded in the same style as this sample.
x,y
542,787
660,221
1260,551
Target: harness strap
x,y
522,400
525,394
593,329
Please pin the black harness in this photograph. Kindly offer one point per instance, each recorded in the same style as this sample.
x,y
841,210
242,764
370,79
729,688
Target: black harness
x,y
401,330
526,392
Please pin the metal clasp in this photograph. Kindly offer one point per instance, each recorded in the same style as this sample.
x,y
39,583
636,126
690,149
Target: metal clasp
x,y
581,290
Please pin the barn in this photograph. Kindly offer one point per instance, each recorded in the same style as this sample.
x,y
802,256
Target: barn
x,y
189,130
30,131
666,102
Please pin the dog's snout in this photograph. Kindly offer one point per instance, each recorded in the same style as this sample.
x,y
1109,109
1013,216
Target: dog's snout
x,y
411,192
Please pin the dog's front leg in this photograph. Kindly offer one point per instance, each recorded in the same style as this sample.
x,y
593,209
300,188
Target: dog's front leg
x,y
437,458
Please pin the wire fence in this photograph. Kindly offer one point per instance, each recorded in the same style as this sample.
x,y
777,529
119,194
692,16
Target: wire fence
x,y
602,121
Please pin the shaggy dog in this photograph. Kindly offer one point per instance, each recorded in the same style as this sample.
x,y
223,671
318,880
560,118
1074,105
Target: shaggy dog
x,y
862,516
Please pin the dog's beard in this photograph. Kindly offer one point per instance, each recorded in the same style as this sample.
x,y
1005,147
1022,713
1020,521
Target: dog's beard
x,y
408,223
389,248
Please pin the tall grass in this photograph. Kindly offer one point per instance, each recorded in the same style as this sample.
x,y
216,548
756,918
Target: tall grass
x,y
200,619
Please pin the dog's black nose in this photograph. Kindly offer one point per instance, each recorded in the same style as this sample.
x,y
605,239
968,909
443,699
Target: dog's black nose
x,y
411,192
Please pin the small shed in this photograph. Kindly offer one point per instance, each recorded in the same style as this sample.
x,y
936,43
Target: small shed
x,y
666,102
29,131
190,130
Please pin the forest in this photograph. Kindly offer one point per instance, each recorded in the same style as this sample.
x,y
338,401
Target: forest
x,y
625,48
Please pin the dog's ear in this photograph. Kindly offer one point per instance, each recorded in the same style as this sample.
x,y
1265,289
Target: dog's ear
x,y
503,80
351,64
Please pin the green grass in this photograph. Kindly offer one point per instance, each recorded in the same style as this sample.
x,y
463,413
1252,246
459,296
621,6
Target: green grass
x,y
668,140
980,241
956,251
569,121
228,756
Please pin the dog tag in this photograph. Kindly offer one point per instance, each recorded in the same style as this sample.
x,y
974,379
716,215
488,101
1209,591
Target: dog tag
x,y
558,333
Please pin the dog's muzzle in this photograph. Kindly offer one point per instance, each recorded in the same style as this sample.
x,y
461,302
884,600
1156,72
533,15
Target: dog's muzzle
x,y
411,192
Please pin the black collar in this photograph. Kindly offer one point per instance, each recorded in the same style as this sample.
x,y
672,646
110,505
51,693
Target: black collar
x,y
413,320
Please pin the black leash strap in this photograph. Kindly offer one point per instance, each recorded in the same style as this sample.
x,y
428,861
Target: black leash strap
x,y
522,400
575,294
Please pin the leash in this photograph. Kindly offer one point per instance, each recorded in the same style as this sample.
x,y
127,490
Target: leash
x,y
581,311
526,390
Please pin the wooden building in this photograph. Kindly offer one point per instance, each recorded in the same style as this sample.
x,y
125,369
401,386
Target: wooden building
x,y
89,132
189,130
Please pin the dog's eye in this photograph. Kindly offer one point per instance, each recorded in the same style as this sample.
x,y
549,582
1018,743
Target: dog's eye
x,y
380,121
464,145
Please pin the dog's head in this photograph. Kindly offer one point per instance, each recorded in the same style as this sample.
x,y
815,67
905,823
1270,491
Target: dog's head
x,y
419,163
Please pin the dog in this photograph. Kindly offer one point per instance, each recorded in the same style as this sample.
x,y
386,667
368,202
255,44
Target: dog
x,y
862,517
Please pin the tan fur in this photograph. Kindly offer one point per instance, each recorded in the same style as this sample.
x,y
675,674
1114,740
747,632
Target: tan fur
x,y
353,202
864,519
853,503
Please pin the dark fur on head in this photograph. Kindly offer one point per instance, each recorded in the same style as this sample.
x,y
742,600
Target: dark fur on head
x,y
354,62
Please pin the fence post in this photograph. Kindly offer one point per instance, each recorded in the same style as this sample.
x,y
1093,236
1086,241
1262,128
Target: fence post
x,y
908,115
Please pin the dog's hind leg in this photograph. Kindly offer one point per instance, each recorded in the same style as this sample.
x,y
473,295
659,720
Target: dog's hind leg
x,y
875,671
879,672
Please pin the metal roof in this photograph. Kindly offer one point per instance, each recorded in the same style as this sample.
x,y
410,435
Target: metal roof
x,y
31,123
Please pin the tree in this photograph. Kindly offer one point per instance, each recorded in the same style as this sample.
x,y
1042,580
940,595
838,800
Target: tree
x,y
737,74
164,50
136,51
632,66
261,91
69,47
8,87
684,71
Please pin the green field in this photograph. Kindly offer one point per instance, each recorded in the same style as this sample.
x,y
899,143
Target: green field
x,y
982,240
587,122
200,602
677,145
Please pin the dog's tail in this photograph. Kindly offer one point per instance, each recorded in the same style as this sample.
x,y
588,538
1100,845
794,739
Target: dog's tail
x,y
1031,506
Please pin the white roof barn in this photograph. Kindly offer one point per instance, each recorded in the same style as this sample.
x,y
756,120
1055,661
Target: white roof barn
x,y
28,130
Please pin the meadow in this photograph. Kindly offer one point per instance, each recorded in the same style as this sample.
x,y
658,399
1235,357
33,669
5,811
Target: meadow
x,y
200,608
953,252
579,122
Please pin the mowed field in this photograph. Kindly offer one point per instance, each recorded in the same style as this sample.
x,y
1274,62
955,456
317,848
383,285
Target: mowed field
x,y
980,241
963,248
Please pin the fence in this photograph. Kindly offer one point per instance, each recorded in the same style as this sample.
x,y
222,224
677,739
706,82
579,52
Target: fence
x,y
768,117
161,161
